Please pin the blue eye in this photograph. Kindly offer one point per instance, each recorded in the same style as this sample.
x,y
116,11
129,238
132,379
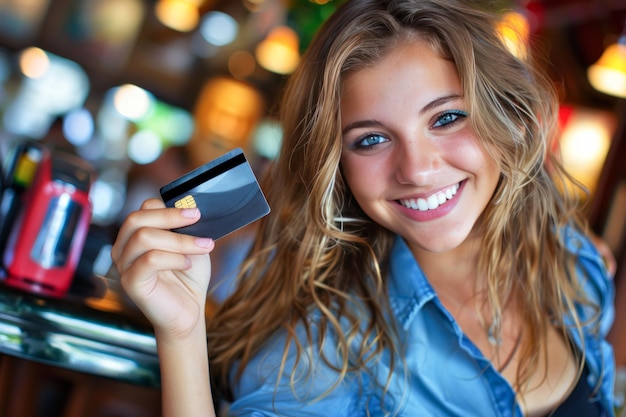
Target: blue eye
x,y
448,118
369,141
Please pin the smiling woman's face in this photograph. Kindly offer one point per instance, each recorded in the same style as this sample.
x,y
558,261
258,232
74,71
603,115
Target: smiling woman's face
x,y
410,156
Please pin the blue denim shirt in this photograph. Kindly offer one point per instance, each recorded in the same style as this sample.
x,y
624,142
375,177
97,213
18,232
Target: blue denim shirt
x,y
446,375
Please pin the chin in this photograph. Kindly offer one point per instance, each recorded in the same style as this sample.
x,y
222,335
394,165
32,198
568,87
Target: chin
x,y
438,243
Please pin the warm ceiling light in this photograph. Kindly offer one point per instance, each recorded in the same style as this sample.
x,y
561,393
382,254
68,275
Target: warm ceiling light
x,y
226,114
278,52
584,144
180,15
514,30
608,75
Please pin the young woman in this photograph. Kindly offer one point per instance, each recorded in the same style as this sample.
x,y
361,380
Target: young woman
x,y
421,258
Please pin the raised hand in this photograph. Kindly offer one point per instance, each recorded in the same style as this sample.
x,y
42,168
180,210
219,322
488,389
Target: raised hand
x,y
165,273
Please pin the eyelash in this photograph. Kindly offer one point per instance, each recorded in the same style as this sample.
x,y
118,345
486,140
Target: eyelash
x,y
358,144
456,116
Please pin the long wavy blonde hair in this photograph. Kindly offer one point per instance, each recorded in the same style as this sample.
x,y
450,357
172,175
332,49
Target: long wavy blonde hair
x,y
317,250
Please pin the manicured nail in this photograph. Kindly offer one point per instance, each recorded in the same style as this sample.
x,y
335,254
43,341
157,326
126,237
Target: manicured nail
x,y
204,242
190,212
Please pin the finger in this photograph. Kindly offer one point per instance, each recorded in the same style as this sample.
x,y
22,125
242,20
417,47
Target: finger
x,y
605,251
152,215
147,239
152,203
166,273
144,271
611,263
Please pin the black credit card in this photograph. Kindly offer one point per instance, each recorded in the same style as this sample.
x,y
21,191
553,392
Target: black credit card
x,y
225,190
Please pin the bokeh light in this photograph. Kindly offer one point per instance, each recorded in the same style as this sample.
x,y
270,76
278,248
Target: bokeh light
x,y
78,127
218,28
133,102
144,147
278,52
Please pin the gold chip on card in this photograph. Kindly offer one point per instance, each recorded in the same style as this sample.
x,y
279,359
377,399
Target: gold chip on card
x,y
186,202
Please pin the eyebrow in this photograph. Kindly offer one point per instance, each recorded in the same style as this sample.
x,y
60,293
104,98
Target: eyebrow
x,y
359,124
438,102
428,107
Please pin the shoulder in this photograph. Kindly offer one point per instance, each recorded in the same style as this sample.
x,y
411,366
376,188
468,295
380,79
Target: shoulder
x,y
590,265
597,320
593,276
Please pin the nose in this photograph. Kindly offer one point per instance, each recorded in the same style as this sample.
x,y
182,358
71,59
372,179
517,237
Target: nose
x,y
416,163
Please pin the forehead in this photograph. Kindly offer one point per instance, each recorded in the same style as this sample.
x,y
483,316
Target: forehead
x,y
412,50
409,72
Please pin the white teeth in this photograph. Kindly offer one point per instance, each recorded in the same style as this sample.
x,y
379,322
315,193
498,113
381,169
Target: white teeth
x,y
433,201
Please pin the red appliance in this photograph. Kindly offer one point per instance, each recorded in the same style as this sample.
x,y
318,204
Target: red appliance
x,y
47,239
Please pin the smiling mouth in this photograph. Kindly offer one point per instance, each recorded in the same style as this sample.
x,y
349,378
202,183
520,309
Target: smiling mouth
x,y
432,202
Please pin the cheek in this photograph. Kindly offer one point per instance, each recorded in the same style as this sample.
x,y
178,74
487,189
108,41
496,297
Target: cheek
x,y
358,176
349,173
487,171
471,156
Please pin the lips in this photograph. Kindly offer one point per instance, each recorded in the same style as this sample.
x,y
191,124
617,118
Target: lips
x,y
433,201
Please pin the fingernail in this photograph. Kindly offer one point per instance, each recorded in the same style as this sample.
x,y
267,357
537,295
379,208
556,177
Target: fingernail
x,y
190,212
204,242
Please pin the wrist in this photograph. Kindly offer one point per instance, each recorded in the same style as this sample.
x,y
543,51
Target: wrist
x,y
177,339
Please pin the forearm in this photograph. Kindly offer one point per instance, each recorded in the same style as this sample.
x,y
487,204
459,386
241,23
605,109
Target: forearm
x,y
185,384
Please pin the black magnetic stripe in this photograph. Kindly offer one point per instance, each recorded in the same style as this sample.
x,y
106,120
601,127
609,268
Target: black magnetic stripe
x,y
199,176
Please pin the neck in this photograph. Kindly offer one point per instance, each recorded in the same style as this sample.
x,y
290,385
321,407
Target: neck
x,y
455,278
455,269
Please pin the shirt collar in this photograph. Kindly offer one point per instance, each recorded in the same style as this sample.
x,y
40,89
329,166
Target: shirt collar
x,y
409,289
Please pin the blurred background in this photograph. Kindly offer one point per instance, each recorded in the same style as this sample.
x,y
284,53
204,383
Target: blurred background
x,y
145,90
121,82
